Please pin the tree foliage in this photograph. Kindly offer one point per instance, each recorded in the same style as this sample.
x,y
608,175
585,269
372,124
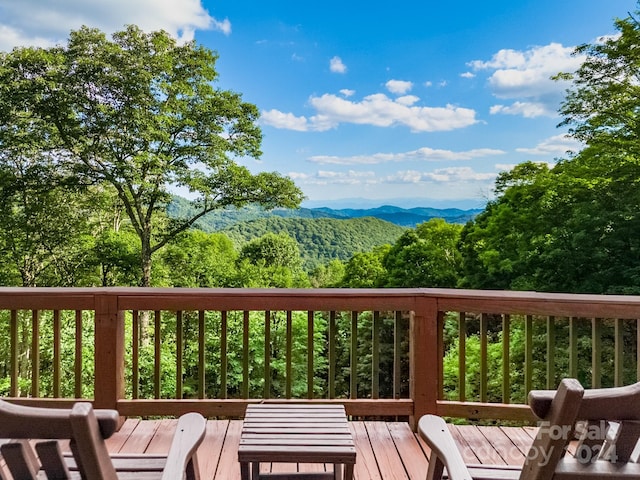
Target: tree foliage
x,y
572,228
425,257
138,112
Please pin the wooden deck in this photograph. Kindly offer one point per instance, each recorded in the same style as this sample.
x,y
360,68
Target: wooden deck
x,y
385,450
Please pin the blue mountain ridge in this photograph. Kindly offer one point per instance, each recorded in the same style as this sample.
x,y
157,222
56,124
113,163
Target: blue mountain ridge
x,y
405,217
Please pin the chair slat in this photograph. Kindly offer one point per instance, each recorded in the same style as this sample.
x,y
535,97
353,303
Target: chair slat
x,y
21,460
52,460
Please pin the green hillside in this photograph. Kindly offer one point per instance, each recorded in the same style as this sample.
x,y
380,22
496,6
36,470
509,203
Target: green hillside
x,y
321,239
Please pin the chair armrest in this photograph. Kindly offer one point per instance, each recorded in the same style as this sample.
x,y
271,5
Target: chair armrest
x,y
182,454
444,451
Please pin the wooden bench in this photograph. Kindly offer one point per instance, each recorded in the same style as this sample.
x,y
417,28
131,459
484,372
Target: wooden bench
x,y
296,433
87,429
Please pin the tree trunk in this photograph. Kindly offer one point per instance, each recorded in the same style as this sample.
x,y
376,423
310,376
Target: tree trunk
x,y
145,281
145,262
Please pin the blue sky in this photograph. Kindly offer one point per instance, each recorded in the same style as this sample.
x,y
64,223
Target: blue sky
x,y
367,103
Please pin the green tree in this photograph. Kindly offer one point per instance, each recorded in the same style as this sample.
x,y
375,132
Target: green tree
x,y
198,259
139,112
573,228
329,275
276,250
117,254
272,260
425,257
501,245
44,228
366,270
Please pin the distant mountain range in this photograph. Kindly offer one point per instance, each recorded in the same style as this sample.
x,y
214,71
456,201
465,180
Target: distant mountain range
x,y
405,217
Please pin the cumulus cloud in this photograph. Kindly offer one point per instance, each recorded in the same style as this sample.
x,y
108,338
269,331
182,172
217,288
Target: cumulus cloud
x,y
557,145
424,154
525,109
468,75
347,92
441,175
287,121
378,110
399,87
328,177
525,76
336,65
37,23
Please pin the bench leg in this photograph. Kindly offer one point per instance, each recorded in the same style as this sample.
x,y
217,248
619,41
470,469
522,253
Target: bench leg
x,y
244,471
255,470
348,474
337,471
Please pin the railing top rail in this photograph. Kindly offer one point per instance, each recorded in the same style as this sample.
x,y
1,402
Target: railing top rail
x,y
486,301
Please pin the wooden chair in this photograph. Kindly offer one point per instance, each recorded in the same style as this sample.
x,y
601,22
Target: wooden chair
x,y
600,426
87,430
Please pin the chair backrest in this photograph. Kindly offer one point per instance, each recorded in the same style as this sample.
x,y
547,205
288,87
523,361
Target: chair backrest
x,y
585,434
84,427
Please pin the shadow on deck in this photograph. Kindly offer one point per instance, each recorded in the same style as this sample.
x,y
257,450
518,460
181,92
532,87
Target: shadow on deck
x,y
385,450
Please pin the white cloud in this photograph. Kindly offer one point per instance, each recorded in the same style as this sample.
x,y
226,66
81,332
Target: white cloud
x,y
347,92
407,100
467,75
336,65
526,109
525,76
424,154
558,145
38,23
328,177
378,110
399,87
428,84
441,175
286,121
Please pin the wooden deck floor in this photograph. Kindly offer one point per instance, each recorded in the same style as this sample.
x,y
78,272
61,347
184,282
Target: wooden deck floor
x,y
385,451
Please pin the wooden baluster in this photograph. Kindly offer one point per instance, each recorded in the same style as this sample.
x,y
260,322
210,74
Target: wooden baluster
x,y
245,355
288,355
157,367
618,352
484,327
35,353
179,353
333,337
202,356
78,355
310,353
573,347
57,348
375,356
397,354
506,358
135,354
353,393
551,352
462,357
13,335
224,365
267,354
596,352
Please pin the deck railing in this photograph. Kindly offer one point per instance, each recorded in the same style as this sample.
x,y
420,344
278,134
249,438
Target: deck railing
x,y
380,352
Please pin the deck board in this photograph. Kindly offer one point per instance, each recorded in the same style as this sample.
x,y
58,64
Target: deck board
x,y
385,451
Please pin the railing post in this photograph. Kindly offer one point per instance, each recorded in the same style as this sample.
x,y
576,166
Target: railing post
x,y
424,362
109,351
